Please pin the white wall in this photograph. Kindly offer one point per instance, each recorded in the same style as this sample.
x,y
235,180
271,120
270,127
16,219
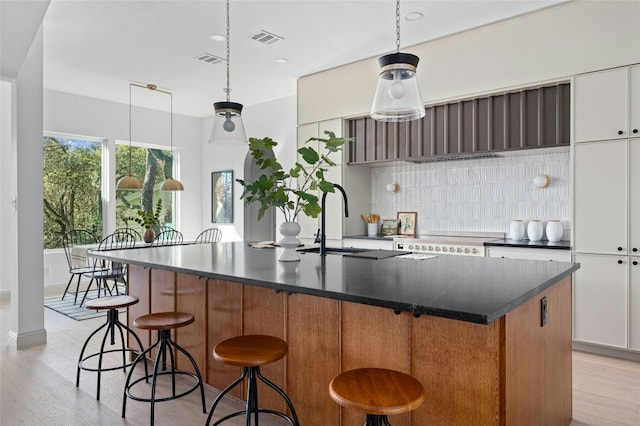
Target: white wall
x,y
7,189
277,120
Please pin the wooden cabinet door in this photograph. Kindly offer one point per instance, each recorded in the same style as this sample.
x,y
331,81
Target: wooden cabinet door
x,y
600,300
314,359
600,194
191,292
634,303
600,105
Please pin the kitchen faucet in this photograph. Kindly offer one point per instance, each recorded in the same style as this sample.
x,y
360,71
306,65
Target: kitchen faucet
x,y
321,237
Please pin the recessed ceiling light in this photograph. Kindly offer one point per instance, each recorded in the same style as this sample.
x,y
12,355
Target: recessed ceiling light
x,y
217,37
414,16
282,60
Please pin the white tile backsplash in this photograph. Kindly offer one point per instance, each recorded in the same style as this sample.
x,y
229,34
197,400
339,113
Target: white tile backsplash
x,y
480,195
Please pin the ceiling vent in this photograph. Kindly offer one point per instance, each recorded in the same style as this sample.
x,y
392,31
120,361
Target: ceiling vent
x,y
209,58
265,37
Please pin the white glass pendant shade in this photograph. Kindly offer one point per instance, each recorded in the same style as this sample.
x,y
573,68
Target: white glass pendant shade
x,y
129,183
398,96
227,123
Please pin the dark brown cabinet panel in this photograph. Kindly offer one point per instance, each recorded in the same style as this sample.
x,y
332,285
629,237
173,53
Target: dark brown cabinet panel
x,y
525,119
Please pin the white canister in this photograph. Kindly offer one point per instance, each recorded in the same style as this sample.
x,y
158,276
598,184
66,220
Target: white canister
x,y
535,230
554,230
372,229
516,230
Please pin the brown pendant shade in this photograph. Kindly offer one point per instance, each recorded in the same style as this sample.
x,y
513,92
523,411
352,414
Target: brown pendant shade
x,y
129,183
171,185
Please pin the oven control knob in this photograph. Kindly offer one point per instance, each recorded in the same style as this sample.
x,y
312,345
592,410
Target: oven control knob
x,y
430,248
437,248
475,251
459,250
410,246
466,250
423,247
444,249
452,250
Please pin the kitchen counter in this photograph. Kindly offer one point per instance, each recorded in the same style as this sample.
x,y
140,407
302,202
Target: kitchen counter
x,y
506,242
464,288
489,339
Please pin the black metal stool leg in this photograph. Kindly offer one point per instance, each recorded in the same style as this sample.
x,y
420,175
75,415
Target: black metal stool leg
x,y
164,344
111,324
377,420
226,390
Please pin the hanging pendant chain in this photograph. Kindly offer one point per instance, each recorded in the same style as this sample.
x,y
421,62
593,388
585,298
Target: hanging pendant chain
x,y
228,90
397,26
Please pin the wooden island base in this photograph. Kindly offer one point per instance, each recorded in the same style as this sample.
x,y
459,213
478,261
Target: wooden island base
x,y
512,371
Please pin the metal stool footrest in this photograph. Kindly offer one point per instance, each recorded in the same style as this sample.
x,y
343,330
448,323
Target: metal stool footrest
x,y
165,344
112,324
252,399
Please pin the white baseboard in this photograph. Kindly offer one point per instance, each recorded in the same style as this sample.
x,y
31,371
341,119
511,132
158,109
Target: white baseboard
x,y
606,351
27,340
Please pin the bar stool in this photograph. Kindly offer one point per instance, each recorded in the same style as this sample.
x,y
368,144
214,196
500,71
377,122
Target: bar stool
x,y
112,303
163,322
250,352
378,392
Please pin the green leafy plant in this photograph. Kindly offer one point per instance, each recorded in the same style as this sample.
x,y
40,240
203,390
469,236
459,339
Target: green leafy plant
x,y
296,190
148,220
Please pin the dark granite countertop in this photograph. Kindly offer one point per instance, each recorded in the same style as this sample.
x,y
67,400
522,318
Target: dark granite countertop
x,y
560,245
466,288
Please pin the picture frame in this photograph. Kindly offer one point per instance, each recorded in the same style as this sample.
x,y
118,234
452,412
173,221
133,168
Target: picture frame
x,y
389,227
222,196
407,223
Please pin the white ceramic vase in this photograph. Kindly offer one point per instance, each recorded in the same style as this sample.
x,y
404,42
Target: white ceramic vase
x,y
535,230
516,230
289,242
554,230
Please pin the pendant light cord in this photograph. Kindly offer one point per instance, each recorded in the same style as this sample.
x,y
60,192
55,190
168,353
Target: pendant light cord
x,y
130,130
397,26
228,90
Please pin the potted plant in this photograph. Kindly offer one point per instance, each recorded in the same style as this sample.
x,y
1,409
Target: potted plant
x,y
148,220
292,191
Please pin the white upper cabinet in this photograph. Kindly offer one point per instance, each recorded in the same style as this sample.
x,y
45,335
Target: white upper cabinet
x,y
607,105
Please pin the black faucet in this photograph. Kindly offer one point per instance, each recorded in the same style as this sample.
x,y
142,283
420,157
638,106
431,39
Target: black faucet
x,y
321,237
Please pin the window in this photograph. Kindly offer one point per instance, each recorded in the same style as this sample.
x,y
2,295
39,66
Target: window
x,y
72,187
74,170
152,166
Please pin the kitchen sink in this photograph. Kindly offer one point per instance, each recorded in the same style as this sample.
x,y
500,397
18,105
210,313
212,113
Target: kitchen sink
x,y
355,252
332,250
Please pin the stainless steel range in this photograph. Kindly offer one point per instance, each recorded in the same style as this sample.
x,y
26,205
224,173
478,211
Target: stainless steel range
x,y
444,242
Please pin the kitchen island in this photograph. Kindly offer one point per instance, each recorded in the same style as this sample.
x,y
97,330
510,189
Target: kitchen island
x,y
490,339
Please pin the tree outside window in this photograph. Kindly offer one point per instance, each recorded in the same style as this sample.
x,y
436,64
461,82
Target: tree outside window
x,y
72,170
72,187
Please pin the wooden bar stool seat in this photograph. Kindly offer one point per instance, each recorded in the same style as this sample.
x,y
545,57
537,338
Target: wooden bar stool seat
x,y
250,352
378,392
112,304
163,322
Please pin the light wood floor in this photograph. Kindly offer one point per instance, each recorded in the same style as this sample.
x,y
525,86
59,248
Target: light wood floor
x,y
37,386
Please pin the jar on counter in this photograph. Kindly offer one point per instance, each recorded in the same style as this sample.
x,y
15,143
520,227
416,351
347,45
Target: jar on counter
x,y
516,230
535,230
554,230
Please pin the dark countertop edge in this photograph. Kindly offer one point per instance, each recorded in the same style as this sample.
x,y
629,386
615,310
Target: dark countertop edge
x,y
381,303
560,245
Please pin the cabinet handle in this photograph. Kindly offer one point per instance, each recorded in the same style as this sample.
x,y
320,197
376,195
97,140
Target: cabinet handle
x,y
619,262
620,132
619,248
635,130
635,249
635,263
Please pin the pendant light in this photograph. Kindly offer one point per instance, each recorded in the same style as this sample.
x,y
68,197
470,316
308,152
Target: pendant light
x,y
227,120
398,96
129,182
169,184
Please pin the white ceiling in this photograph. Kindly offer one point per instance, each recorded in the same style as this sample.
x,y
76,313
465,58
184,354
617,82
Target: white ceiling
x,y
96,48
